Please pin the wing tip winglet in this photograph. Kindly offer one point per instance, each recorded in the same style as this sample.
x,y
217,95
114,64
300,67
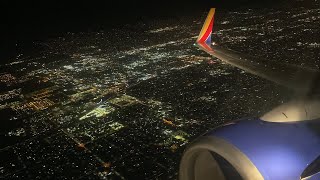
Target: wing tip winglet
x,y
206,31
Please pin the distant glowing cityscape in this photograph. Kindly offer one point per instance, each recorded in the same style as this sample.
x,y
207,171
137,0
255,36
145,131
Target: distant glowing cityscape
x,y
88,107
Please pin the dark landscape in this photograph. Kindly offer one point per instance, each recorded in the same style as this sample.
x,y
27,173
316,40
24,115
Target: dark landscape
x,y
123,101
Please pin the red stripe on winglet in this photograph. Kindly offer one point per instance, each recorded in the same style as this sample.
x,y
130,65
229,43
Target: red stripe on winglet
x,y
208,31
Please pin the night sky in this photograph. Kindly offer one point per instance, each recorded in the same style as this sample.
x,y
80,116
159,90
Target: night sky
x,y
24,22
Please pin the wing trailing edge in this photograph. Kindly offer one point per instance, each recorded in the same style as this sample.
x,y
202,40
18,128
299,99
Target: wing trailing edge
x,y
300,79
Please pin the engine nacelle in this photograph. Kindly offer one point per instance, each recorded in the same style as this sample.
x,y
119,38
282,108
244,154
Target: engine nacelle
x,y
253,149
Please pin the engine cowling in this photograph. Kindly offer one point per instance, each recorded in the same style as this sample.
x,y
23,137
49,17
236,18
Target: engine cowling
x,y
253,149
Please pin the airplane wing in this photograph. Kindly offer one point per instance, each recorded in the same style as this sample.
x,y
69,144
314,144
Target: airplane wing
x,y
282,144
300,79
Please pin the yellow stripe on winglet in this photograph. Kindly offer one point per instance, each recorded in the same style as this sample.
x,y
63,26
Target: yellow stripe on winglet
x,y
206,23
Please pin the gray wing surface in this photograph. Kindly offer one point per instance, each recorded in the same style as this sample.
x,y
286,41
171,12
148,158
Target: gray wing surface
x,y
300,79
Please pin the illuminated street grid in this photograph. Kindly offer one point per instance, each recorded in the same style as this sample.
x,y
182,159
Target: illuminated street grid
x,y
123,105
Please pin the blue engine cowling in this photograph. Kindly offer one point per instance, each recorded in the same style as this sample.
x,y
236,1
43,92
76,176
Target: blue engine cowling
x,y
254,149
